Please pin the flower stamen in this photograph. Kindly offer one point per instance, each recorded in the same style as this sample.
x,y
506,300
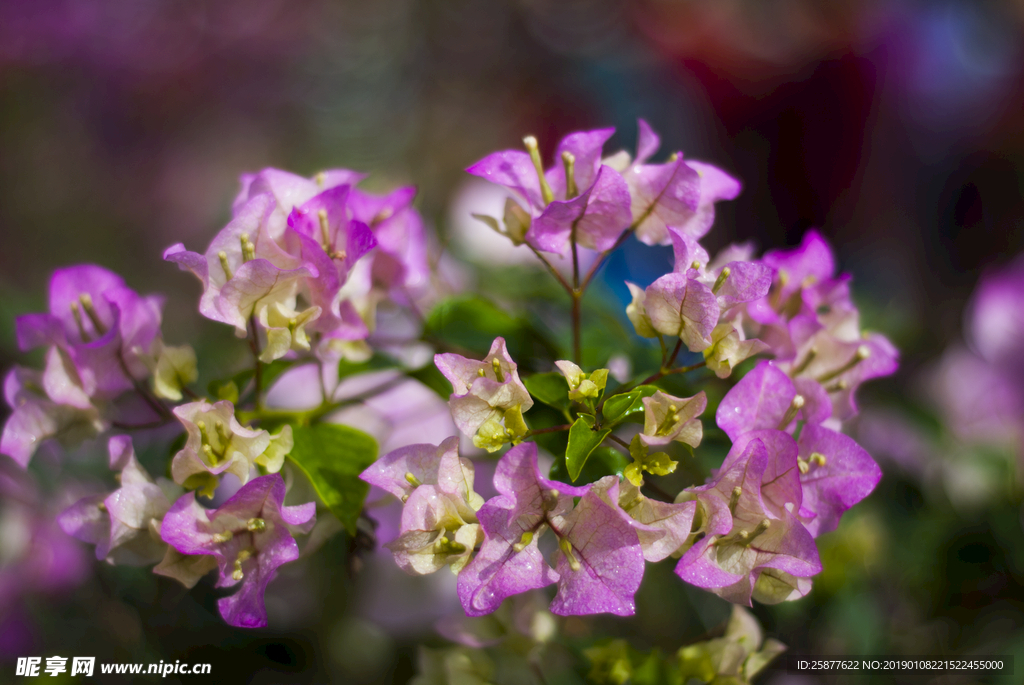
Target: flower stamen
x,y
794,406
721,279
225,267
802,366
569,161
545,189
76,313
566,547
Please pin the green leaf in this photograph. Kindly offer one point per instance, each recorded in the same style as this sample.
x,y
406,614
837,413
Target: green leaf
x,y
618,407
604,461
332,457
550,388
472,323
583,439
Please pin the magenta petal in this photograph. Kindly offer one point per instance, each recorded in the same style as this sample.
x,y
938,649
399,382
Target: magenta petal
x,y
225,534
424,462
283,188
374,209
667,529
551,231
686,250
498,571
188,261
610,558
600,214
246,608
37,330
663,195
780,480
300,517
85,521
729,565
797,553
759,401
253,282
525,499
323,289
26,428
647,142
514,170
121,452
848,475
994,317
747,281
353,238
698,567
683,307
359,240
400,262
522,488
585,147
67,285
812,258
715,184
305,218
817,405
607,214
185,526
340,177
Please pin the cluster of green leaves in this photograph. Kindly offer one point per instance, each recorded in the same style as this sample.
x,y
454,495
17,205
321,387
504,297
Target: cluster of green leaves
x,y
733,659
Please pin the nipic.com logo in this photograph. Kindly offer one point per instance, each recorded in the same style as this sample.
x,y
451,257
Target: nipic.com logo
x,y
55,665
33,666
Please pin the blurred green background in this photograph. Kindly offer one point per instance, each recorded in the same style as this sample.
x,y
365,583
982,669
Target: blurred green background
x,y
895,127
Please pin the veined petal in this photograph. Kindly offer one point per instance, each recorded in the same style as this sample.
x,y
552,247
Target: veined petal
x,y
513,169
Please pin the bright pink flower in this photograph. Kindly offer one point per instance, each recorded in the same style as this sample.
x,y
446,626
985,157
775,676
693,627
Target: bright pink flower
x,y
599,563
250,536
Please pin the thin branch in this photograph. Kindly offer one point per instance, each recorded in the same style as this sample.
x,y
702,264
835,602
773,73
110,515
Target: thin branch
x,y
669,372
615,438
604,257
650,379
152,401
320,378
552,429
535,667
686,369
551,268
675,353
120,425
254,345
577,336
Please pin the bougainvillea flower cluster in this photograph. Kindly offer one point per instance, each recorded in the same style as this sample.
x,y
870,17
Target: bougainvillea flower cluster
x,y
749,531
313,272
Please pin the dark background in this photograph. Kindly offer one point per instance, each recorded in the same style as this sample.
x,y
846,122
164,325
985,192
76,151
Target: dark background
x,y
895,128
